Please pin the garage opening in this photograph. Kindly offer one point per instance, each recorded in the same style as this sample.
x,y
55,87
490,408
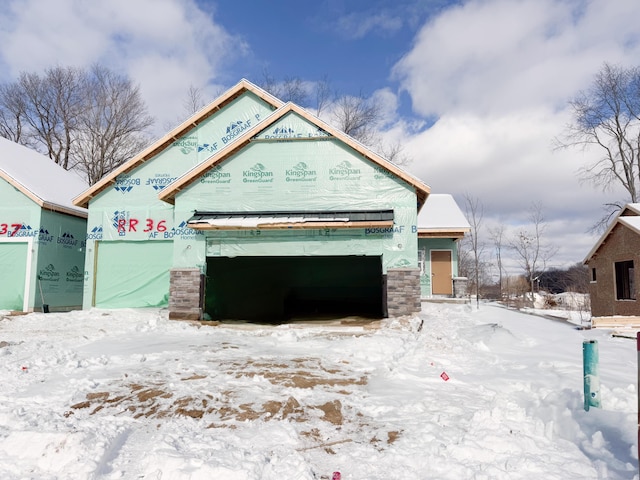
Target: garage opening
x,y
275,289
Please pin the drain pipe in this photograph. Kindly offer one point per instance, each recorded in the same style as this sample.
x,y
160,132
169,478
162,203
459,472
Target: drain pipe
x,y
45,307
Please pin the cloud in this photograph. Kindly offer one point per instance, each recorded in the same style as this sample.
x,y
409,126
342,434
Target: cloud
x,y
358,25
508,163
387,102
500,55
145,39
496,76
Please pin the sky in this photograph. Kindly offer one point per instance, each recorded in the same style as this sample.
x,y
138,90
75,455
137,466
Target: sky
x,y
450,393
475,91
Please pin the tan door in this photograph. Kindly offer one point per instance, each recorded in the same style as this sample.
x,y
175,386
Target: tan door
x,y
441,281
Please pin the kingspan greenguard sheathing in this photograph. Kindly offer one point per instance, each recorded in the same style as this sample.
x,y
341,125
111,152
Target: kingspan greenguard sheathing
x,y
127,209
130,231
41,243
291,166
60,251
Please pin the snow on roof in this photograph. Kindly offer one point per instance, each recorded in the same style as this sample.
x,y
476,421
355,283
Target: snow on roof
x,y
40,178
301,219
441,211
630,221
634,207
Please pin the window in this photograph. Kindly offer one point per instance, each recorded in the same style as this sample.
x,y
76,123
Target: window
x,y
625,288
593,274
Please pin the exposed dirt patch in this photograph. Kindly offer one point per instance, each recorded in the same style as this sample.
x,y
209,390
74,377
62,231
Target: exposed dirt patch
x,y
298,373
97,396
340,418
392,437
332,412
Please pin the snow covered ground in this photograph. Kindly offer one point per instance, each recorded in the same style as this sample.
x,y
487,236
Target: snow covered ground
x,y
131,395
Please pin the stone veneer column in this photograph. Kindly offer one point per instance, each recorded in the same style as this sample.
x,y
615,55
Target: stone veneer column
x,y
403,291
185,295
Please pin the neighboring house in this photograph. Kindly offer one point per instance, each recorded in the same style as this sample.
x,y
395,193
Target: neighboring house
x,y
614,282
441,224
255,209
42,234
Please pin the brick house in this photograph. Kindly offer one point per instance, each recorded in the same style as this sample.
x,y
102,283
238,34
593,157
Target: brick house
x,y
614,281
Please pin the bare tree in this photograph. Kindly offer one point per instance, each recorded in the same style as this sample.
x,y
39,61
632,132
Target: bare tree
x,y
516,286
475,213
530,247
193,101
13,112
294,90
40,111
393,152
291,89
88,120
324,95
497,236
607,116
360,118
108,132
357,116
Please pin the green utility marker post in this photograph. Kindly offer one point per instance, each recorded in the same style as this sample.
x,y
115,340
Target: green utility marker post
x,y
591,376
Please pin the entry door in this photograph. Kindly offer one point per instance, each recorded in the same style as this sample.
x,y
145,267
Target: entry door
x,y
441,280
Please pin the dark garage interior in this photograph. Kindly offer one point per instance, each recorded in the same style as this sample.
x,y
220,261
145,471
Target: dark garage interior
x,y
277,289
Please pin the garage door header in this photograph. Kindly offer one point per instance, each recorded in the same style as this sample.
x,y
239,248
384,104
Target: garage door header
x,y
291,220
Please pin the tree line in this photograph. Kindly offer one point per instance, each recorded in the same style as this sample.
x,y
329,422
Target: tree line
x,y
483,252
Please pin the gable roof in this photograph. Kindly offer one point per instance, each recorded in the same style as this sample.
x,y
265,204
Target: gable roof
x,y
189,124
40,178
629,216
170,191
441,217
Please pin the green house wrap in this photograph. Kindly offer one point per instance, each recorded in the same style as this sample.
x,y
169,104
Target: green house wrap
x,y
254,209
42,234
